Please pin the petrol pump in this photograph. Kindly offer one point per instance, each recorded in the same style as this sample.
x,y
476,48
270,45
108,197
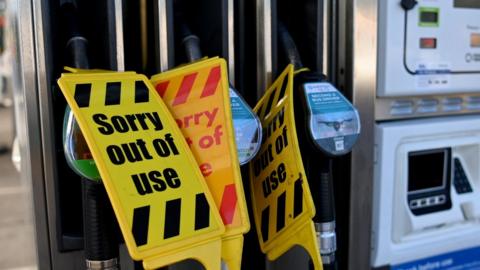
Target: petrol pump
x,y
405,198
327,124
60,202
425,210
328,127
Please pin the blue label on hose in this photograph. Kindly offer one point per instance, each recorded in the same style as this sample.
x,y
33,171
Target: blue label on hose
x,y
247,128
334,122
239,111
323,98
467,259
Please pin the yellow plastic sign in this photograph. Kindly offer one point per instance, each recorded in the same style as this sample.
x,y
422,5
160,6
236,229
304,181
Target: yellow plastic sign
x,y
282,204
160,199
198,97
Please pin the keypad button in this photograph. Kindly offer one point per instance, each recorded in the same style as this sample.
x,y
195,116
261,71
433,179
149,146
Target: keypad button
x,y
414,204
460,181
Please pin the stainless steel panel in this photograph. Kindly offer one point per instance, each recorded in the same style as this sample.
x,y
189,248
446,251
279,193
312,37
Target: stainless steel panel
x,y
231,42
326,32
115,38
330,46
27,120
40,131
163,42
120,52
264,45
42,110
360,65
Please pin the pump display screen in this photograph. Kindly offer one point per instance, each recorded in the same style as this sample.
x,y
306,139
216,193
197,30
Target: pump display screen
x,y
466,4
427,170
429,17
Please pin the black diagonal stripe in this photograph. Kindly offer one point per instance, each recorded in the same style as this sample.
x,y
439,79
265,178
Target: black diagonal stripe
x,y
82,94
281,211
173,210
202,212
265,223
141,216
298,198
141,92
283,89
112,96
270,103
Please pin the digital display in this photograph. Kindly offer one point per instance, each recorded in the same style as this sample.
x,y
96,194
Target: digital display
x,y
428,43
429,17
466,4
475,40
427,170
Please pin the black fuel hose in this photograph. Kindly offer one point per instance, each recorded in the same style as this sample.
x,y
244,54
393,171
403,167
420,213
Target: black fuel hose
x,y
76,44
325,216
100,239
189,41
326,199
288,46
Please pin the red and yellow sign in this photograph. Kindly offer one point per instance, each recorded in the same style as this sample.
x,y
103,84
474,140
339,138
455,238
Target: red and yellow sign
x,y
198,97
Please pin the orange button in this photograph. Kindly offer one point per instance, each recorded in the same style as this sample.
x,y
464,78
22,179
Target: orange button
x,y
475,40
428,43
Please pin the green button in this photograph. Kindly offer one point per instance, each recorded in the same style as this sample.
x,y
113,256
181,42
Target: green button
x,y
429,17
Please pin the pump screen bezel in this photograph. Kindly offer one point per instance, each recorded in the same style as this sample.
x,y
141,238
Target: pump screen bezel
x,y
424,154
434,198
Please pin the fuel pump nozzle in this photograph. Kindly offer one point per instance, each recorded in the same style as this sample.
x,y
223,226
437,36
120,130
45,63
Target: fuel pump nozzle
x,y
328,125
100,242
189,41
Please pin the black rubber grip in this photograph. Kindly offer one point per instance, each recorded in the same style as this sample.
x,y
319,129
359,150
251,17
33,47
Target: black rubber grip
x,y
192,48
76,45
326,209
98,223
189,41
69,17
288,45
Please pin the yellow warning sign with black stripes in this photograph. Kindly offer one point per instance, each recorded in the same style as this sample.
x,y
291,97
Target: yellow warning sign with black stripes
x,y
160,198
282,204
198,97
